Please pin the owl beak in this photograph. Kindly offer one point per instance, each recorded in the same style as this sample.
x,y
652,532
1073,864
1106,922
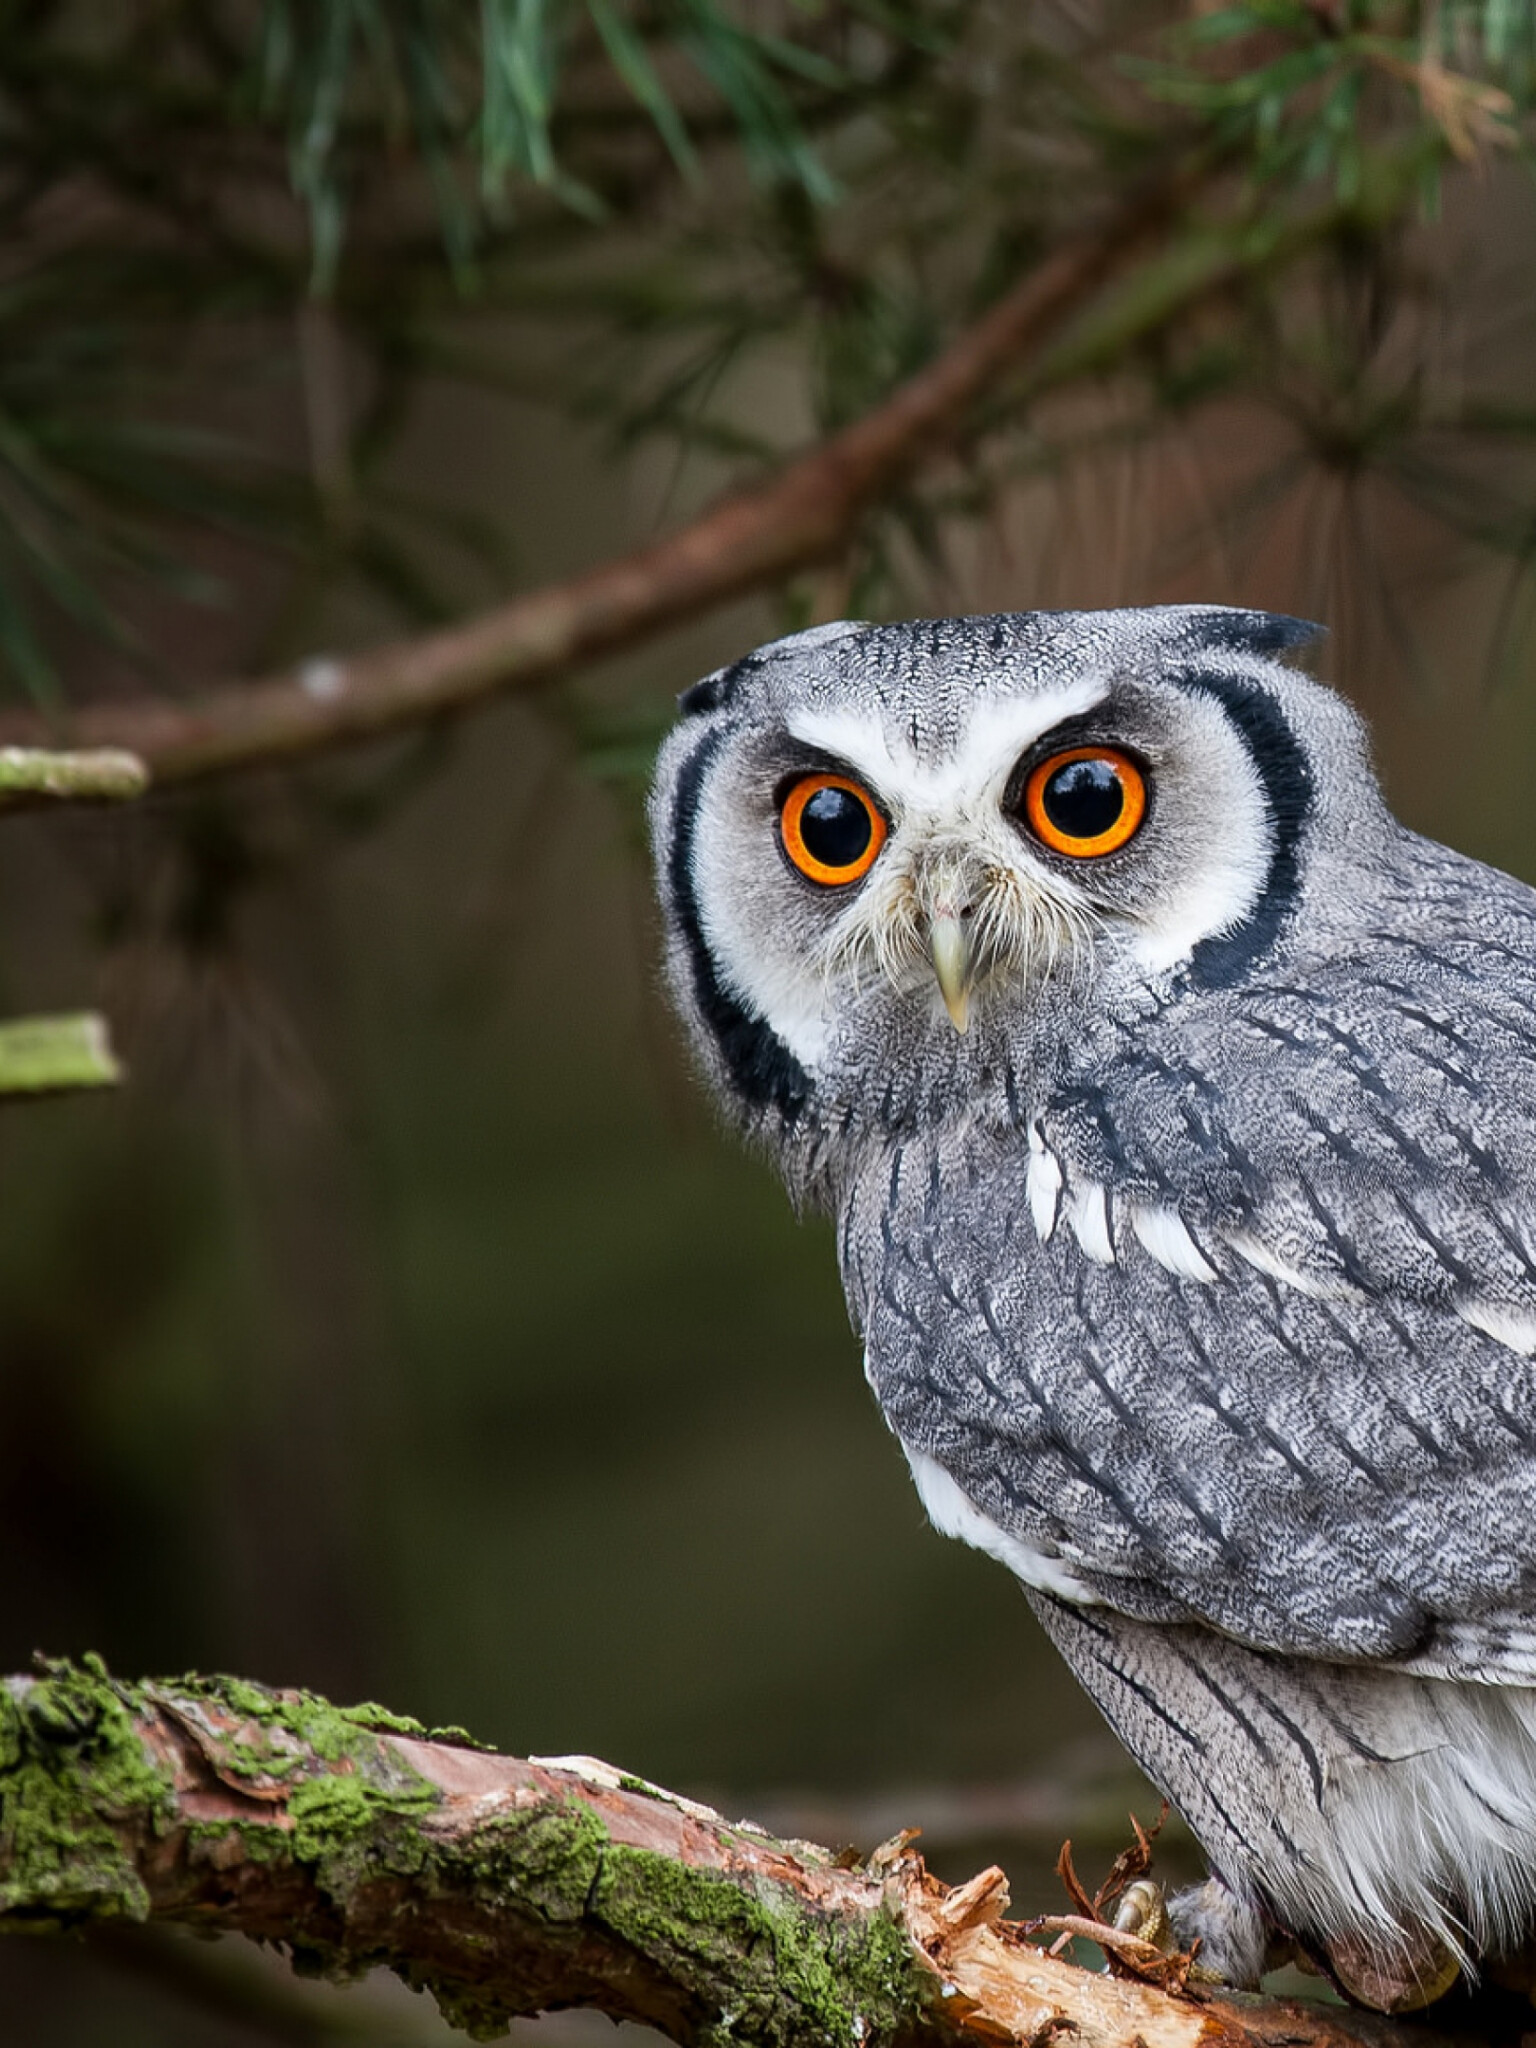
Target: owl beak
x,y
952,965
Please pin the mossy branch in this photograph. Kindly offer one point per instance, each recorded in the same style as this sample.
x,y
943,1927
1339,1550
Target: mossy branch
x,y
357,1838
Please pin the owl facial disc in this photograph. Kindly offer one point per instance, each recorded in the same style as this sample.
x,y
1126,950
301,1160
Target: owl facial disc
x,y
894,855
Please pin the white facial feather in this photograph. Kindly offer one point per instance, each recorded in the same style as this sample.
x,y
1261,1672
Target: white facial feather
x,y
1212,901
1226,857
768,983
999,731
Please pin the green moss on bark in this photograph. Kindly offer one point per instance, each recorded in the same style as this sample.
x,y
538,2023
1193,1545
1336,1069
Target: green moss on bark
x,y
285,1733
355,1804
797,1976
743,1960
72,1765
544,1860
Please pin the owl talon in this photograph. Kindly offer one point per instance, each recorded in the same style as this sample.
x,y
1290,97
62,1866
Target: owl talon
x,y
1143,1912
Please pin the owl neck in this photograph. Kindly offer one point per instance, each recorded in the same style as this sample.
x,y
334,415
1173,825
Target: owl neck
x,y
855,1112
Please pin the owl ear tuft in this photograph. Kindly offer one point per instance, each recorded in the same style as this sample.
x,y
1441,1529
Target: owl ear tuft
x,y
708,694
1254,632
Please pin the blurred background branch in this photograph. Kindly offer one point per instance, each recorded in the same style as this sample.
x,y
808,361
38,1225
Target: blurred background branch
x,y
45,1055
243,243
42,1055
800,514
40,775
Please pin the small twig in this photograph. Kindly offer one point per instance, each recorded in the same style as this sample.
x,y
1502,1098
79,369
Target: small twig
x,y
49,1055
1128,1954
94,775
1144,1956
1086,1908
1130,1864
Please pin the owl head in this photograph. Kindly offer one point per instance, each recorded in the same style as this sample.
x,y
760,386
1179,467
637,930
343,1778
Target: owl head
x,y
903,866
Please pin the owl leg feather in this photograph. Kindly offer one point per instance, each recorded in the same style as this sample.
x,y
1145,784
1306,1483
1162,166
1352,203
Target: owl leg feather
x,y
1238,1941
1232,1941
1308,1785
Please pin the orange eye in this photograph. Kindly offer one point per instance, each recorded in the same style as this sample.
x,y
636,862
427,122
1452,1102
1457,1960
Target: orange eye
x,y
831,828
1086,801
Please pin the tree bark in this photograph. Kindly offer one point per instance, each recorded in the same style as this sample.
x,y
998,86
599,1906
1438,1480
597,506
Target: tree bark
x,y
511,1886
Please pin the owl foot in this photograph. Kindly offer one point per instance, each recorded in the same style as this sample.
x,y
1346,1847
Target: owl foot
x,y
1231,1935
1142,1911
1139,1940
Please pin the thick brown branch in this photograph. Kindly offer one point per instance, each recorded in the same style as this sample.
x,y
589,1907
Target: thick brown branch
x,y
802,514
513,1886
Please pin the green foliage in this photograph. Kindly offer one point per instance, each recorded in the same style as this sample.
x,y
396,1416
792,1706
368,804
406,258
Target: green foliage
x,y
1307,85
489,83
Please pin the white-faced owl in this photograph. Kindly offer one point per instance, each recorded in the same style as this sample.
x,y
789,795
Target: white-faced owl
x,y
1176,1108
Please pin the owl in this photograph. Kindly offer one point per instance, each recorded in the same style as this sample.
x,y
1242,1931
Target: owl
x,y
1176,1109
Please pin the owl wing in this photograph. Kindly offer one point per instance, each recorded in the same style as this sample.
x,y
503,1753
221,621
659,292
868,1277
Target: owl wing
x,y
1246,1334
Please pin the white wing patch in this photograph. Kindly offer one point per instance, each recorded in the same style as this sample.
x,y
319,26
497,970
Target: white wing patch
x,y
953,1514
1258,1255
1093,1215
1164,1236
1505,1325
1042,1183
1087,1204
1088,1214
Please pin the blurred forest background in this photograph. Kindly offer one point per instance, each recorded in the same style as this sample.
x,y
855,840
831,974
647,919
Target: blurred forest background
x,y
402,1328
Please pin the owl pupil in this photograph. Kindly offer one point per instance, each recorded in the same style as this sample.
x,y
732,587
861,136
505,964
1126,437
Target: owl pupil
x,y
1084,798
835,827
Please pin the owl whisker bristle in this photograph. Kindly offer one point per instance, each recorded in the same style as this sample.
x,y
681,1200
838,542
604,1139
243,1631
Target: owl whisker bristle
x,y
1016,931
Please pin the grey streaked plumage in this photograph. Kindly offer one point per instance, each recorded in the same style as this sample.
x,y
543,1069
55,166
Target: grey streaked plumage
x,y
1198,1276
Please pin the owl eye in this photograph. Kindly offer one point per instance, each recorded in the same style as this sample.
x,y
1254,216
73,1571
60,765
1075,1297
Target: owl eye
x,y
1086,801
831,828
